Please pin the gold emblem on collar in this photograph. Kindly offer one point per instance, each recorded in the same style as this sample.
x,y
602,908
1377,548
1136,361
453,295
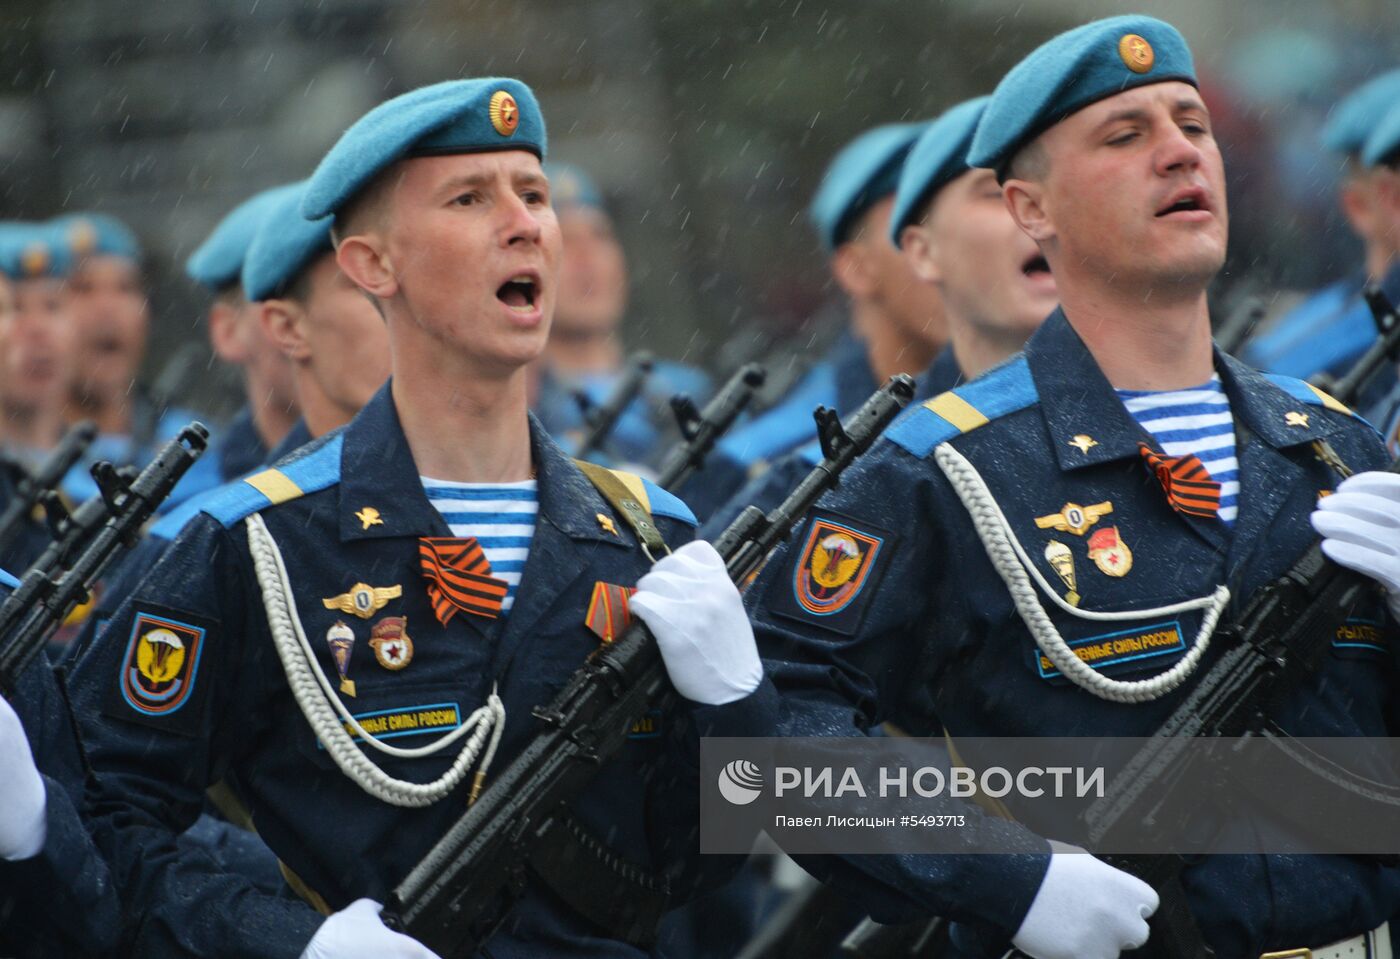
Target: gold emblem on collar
x,y
363,600
1294,418
1073,518
369,516
606,522
1083,443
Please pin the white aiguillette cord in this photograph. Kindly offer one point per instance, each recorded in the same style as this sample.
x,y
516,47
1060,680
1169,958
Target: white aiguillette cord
x,y
1017,571
321,705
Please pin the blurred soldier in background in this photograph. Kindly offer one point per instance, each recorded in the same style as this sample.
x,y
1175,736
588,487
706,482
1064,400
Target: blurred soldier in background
x,y
112,319
585,351
1333,326
1380,157
36,348
237,336
897,323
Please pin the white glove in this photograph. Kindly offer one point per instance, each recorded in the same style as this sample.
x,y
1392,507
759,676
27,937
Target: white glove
x,y
356,932
23,800
1360,526
1085,909
699,622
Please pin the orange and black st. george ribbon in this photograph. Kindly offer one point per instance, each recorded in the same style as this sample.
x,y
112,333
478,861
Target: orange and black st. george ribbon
x,y
1186,482
459,577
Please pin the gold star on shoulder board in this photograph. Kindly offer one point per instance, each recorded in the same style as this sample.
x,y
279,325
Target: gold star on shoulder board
x,y
369,516
606,522
1294,418
1083,443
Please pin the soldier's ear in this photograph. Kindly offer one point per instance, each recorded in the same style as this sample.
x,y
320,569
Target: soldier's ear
x,y
1026,201
225,337
284,323
364,260
851,268
920,249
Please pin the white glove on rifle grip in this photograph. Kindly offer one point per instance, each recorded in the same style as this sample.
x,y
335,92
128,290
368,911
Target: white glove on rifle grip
x,y
23,799
1085,909
356,932
698,618
1360,526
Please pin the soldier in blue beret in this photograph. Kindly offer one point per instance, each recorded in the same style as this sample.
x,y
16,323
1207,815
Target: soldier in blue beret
x,y
112,319
896,326
1332,327
270,410
36,366
1074,451
338,636
585,350
1381,156
956,233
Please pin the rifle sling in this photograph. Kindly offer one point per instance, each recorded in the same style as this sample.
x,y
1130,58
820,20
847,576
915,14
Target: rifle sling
x,y
629,503
618,896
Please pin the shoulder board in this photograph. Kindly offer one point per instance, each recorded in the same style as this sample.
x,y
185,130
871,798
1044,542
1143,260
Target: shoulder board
x,y
169,525
314,470
1004,390
660,501
1307,393
779,428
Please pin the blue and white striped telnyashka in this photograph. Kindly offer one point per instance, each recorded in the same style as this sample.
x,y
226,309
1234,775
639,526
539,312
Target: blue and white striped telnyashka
x,y
1195,421
500,515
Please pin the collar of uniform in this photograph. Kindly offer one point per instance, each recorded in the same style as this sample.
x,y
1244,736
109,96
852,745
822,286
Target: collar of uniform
x,y
942,375
377,470
1264,407
1077,400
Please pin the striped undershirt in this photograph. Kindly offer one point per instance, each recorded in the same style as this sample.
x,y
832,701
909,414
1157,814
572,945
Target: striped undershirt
x,y
1195,421
501,516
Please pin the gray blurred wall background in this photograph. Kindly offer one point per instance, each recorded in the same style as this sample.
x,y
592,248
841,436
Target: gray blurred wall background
x,y
708,123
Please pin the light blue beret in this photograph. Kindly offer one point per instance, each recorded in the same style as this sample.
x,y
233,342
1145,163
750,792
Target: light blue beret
x,y
218,261
457,116
286,243
1383,145
32,250
1071,71
1355,116
570,186
861,175
938,157
97,234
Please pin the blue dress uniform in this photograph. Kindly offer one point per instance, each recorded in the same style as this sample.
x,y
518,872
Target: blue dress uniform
x,y
923,629
61,902
348,513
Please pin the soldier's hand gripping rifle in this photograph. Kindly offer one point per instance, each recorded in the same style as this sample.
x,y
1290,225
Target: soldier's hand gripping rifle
x,y
701,429
602,420
85,543
1280,642
31,487
463,888
1384,352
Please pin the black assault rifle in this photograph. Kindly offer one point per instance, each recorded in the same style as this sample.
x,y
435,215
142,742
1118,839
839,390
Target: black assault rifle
x,y
30,488
85,542
1384,352
602,420
701,429
461,891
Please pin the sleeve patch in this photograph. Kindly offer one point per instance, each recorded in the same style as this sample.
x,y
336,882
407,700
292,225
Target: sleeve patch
x,y
832,577
159,671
